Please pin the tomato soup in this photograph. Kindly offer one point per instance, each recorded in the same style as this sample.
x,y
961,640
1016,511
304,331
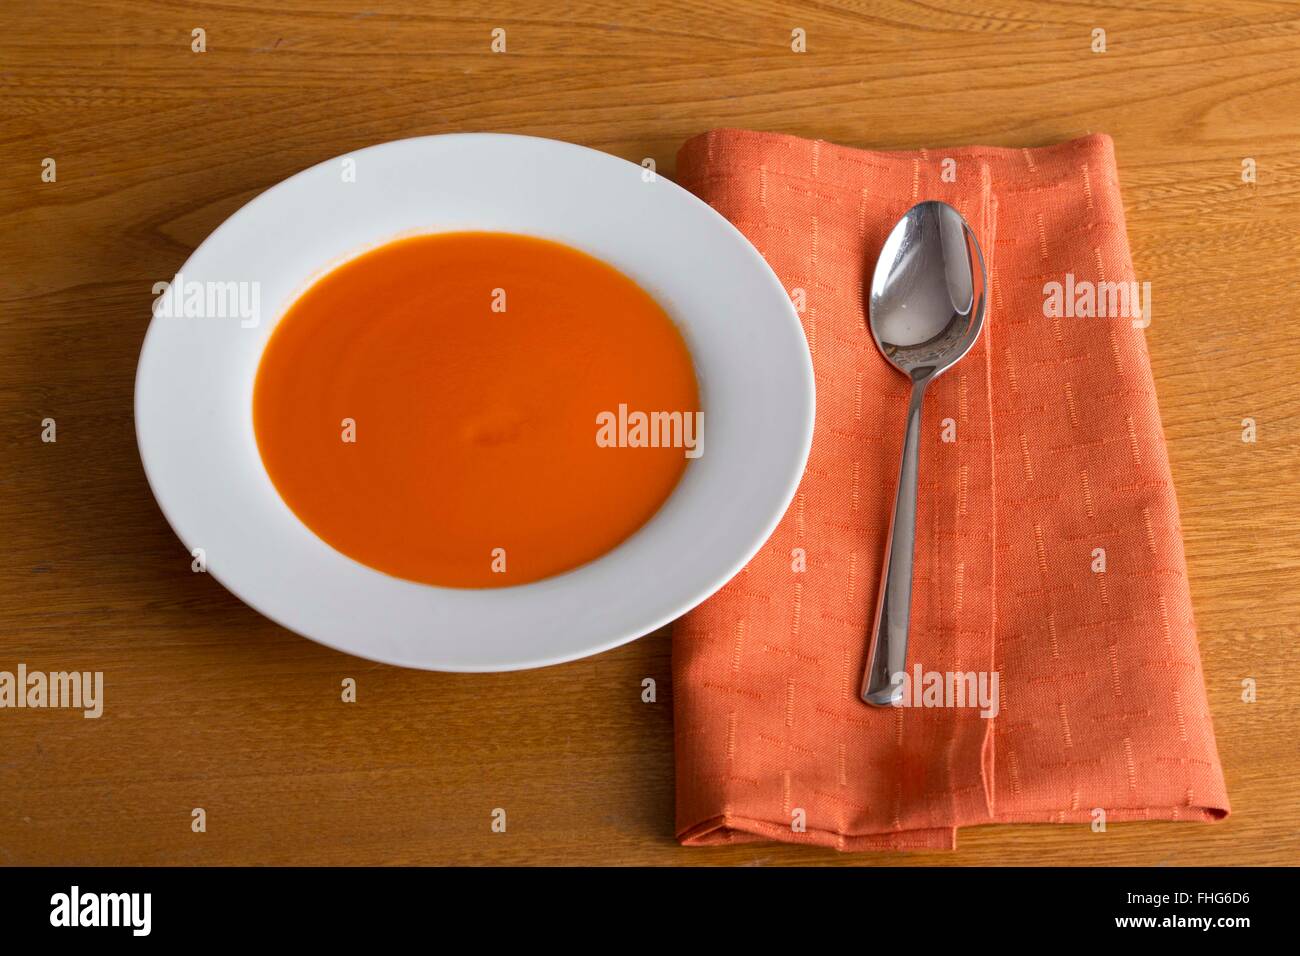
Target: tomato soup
x,y
462,409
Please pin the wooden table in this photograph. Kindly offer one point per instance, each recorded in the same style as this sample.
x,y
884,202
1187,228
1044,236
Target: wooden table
x,y
209,705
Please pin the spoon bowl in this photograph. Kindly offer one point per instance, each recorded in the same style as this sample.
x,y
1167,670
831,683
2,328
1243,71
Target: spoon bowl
x,y
927,291
926,311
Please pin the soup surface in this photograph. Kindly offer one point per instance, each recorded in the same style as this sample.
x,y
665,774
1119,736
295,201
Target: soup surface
x,y
433,408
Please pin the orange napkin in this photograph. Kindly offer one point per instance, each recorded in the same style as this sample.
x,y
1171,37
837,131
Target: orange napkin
x,y
1048,543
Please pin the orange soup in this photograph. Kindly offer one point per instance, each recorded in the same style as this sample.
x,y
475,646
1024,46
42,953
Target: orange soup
x,y
469,409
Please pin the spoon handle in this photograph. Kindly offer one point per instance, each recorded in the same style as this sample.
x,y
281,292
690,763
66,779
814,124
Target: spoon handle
x,y
887,655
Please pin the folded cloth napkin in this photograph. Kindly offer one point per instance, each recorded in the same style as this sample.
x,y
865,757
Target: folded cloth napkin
x,y
1049,556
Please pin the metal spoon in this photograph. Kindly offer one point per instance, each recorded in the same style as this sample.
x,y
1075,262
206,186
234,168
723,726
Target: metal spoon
x,y
927,309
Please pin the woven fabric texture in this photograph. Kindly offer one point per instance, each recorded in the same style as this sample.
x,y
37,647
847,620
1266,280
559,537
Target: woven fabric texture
x,y
1042,456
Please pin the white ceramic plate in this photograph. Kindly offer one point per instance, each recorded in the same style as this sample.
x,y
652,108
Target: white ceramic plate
x,y
194,386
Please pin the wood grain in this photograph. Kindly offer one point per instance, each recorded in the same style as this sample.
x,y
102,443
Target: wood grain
x,y
209,705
